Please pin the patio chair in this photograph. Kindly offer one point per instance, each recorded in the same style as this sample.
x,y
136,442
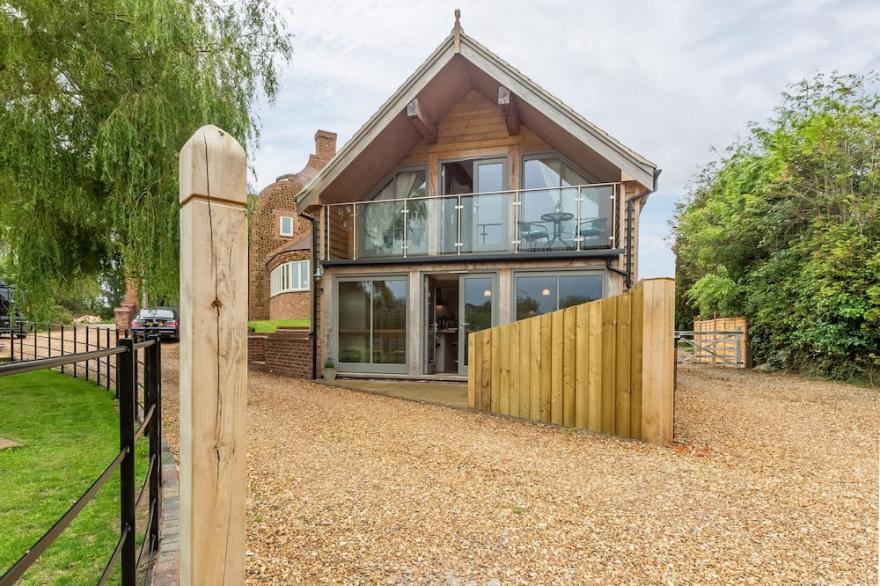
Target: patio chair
x,y
532,232
593,229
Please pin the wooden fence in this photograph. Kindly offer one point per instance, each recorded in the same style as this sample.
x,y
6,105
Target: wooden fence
x,y
607,365
723,341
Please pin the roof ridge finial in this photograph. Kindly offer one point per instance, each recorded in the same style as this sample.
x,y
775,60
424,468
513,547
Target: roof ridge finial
x,y
456,32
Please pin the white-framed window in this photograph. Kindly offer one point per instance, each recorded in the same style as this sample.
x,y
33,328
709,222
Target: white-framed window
x,y
286,226
291,276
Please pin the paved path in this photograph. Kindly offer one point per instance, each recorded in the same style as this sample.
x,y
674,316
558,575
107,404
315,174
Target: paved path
x,y
774,480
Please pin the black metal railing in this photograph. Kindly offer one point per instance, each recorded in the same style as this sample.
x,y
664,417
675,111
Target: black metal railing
x,y
135,419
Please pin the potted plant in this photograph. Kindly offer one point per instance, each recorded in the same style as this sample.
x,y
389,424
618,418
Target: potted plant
x,y
329,370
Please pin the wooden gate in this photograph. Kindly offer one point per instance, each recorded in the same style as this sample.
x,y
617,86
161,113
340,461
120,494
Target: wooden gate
x,y
719,341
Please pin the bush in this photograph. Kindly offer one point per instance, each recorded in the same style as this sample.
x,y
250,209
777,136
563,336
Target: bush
x,y
785,229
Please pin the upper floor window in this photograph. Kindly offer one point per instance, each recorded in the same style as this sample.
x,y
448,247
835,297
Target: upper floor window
x,y
404,185
550,171
291,276
286,226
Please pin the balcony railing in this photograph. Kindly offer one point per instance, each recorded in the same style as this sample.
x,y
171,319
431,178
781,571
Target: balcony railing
x,y
521,221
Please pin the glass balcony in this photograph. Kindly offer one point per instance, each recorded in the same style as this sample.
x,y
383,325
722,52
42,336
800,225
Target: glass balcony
x,y
572,218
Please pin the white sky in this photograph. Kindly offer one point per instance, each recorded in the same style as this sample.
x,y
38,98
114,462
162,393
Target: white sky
x,y
671,79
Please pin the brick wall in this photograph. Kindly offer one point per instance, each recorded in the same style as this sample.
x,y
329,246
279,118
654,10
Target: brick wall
x,y
276,200
256,348
295,305
286,352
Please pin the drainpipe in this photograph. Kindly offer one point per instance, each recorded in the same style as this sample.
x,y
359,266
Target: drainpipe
x,y
630,204
313,333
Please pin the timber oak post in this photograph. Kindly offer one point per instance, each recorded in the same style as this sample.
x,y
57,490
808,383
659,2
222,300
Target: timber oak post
x,y
213,358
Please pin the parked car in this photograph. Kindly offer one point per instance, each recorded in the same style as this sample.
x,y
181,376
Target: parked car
x,y
11,322
163,321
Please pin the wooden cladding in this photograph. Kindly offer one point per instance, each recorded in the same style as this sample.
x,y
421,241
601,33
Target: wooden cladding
x,y
607,365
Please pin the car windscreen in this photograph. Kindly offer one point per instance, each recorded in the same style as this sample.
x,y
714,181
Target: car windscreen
x,y
156,313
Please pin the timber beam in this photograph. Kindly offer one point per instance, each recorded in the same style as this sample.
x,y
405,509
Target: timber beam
x,y
508,107
421,121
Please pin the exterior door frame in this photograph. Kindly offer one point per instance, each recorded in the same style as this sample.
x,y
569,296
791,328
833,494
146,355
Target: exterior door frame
x,y
463,333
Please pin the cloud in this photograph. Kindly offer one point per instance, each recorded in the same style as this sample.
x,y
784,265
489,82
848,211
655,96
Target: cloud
x,y
669,79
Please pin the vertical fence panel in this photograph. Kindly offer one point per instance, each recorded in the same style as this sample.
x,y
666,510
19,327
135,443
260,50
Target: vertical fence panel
x,y
504,356
569,365
658,362
486,369
472,363
594,366
622,366
556,415
638,310
609,345
546,367
581,401
496,370
524,363
534,368
513,351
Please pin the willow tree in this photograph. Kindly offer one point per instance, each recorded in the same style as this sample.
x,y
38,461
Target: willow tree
x,y
98,97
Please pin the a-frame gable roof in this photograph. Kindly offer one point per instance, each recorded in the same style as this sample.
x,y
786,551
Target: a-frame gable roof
x,y
458,45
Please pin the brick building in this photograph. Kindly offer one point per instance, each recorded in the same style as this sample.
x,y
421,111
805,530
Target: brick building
x,y
280,250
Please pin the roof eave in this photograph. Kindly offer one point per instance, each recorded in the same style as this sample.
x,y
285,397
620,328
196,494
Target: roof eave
x,y
366,133
627,160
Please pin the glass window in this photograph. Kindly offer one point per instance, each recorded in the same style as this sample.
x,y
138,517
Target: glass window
x,y
286,226
539,294
389,322
550,172
535,295
372,321
405,184
291,276
354,321
576,289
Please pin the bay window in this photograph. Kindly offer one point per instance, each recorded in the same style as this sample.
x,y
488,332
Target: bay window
x,y
291,276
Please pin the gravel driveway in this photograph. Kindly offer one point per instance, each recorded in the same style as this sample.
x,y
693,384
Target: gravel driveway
x,y
773,479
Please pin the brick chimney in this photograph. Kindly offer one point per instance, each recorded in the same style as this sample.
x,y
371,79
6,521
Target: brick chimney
x,y
325,148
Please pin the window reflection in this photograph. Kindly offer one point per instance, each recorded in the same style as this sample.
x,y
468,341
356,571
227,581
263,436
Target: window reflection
x,y
539,294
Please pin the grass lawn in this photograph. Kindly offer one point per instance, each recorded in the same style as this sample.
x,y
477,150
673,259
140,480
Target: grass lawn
x,y
267,326
69,429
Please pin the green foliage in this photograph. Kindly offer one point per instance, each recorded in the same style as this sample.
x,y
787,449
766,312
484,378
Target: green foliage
x,y
785,229
98,98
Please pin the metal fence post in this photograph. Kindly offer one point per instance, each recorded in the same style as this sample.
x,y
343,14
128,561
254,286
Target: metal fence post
x,y
62,346
154,392
108,359
74,349
125,376
87,349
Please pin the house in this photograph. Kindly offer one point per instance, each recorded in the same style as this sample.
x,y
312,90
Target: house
x,y
280,250
472,198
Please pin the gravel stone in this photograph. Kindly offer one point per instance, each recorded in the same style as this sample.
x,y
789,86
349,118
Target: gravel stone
x,y
773,478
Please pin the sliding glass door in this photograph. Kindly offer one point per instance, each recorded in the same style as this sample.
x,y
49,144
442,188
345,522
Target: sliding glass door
x,y
371,325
